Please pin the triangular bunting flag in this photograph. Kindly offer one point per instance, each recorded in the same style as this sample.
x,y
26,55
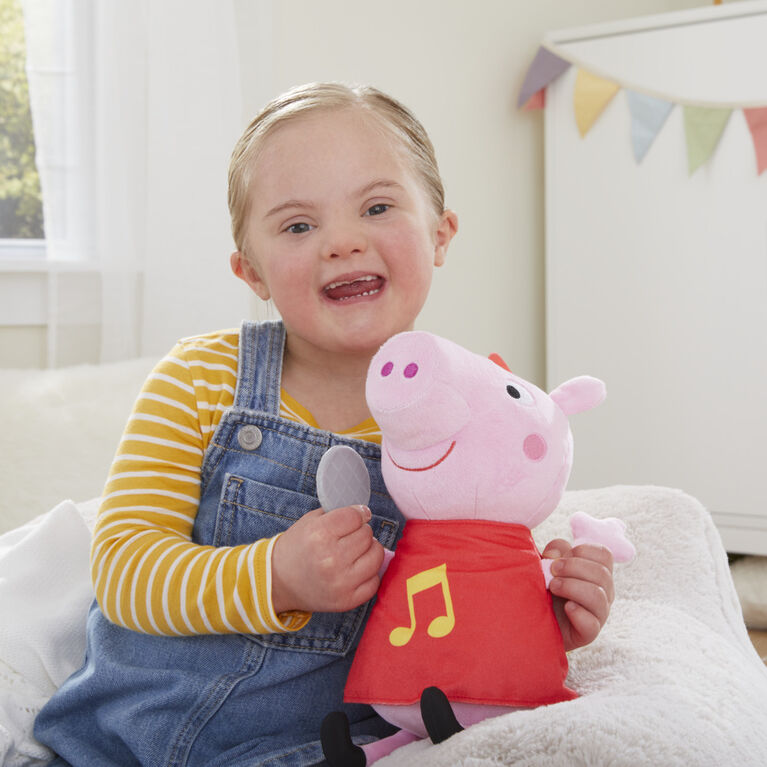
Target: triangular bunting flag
x,y
546,67
592,95
647,117
703,128
757,124
536,101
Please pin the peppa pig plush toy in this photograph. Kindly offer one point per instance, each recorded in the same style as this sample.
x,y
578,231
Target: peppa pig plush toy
x,y
463,626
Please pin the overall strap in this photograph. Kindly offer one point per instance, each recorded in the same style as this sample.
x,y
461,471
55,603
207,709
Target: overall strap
x,y
260,366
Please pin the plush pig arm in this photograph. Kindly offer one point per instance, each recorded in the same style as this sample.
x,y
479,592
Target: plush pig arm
x,y
388,556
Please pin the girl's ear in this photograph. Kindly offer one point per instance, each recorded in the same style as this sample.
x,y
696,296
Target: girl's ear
x,y
245,270
446,229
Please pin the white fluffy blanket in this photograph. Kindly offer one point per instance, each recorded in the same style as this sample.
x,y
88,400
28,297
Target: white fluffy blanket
x,y
671,680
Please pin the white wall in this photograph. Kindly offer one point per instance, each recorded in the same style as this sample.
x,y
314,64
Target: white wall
x,y
459,66
188,240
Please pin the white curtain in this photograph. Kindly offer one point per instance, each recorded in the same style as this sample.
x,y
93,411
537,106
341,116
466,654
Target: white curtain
x,y
136,106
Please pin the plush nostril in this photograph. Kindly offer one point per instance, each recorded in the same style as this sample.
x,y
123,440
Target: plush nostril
x,y
411,370
387,368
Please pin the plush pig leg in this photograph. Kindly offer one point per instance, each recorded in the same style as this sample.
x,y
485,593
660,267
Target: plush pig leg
x,y
438,716
340,751
337,745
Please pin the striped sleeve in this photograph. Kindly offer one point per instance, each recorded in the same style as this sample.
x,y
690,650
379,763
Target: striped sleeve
x,y
148,574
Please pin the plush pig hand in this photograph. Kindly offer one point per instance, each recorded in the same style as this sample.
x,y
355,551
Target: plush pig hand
x,y
609,533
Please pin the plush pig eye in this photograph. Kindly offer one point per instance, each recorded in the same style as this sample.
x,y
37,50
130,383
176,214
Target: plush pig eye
x,y
519,393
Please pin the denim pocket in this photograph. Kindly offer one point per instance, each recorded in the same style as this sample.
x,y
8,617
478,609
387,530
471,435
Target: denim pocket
x,y
250,510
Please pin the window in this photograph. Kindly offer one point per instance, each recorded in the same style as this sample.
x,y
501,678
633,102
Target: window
x,y
21,210
109,88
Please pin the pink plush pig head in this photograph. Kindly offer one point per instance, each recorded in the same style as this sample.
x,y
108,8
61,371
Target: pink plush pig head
x,y
464,438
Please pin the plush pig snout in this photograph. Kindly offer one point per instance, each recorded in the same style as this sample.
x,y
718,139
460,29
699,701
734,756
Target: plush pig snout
x,y
404,390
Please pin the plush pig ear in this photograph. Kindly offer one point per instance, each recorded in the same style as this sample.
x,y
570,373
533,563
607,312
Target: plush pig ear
x,y
499,361
579,394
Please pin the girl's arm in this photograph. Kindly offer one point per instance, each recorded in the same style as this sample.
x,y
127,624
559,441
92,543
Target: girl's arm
x,y
148,574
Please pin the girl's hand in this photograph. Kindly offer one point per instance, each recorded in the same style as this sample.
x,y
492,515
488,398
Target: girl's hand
x,y
326,562
582,587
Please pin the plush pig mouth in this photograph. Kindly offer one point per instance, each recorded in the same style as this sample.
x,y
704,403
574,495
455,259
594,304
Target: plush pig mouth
x,y
343,290
422,468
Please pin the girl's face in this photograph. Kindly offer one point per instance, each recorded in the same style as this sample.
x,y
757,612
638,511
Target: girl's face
x,y
340,233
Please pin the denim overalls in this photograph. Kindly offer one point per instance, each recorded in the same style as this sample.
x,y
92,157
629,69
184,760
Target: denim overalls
x,y
230,700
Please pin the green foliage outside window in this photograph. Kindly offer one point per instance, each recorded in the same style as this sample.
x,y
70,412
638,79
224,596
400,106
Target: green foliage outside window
x,y
21,212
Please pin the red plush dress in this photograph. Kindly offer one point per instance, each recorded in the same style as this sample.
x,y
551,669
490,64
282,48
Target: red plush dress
x,y
463,606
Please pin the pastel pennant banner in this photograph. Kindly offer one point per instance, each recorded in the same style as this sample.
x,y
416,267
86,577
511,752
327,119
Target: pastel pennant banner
x,y
704,123
648,115
757,124
703,127
536,101
592,95
546,66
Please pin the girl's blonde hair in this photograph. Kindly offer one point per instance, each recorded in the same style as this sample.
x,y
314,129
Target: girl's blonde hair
x,y
397,119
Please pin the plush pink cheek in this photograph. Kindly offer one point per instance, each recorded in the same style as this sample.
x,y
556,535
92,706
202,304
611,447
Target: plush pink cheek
x,y
534,447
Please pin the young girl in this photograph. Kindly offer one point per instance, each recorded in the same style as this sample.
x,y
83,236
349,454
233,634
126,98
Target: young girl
x,y
228,605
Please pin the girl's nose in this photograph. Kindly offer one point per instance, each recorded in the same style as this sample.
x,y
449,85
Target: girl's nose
x,y
344,240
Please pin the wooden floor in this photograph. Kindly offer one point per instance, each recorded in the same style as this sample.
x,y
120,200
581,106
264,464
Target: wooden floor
x,y
759,639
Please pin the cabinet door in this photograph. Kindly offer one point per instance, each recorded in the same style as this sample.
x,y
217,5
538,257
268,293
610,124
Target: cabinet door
x,y
657,280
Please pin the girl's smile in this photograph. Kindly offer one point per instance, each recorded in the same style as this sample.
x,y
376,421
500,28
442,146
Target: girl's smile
x,y
351,287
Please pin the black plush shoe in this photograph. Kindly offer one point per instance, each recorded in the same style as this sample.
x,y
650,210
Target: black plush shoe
x,y
437,715
337,745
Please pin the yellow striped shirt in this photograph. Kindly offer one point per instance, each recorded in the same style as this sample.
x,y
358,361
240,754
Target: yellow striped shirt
x,y
148,574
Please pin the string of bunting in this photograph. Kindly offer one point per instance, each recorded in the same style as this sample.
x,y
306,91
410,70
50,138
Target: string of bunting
x,y
704,122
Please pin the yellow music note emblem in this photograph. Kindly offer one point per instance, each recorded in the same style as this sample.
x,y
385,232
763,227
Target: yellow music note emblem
x,y
442,625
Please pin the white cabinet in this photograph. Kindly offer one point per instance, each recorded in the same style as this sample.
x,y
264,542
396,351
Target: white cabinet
x,y
657,280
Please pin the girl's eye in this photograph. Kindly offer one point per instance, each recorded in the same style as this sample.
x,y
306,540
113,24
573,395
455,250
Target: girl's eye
x,y
376,210
301,228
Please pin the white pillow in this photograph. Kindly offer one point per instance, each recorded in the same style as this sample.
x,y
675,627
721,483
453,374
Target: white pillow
x,y
45,591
